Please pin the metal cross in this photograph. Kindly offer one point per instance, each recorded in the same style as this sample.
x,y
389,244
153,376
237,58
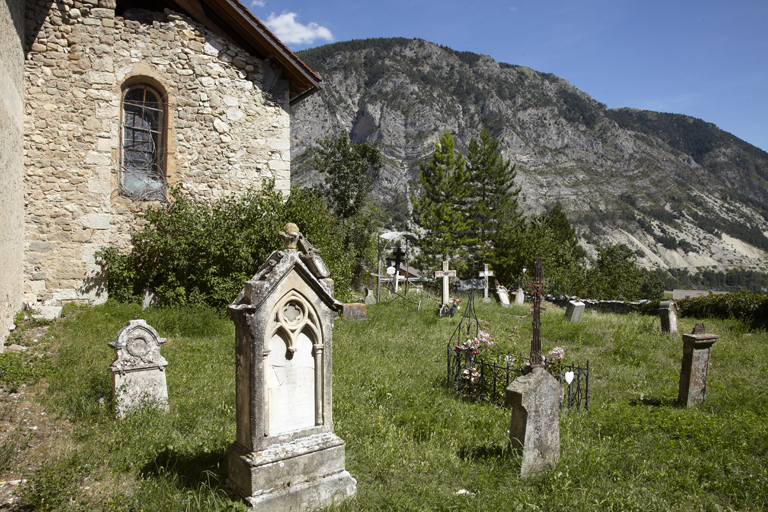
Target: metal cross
x,y
537,290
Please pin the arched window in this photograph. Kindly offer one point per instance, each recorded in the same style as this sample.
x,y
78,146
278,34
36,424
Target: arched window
x,y
142,176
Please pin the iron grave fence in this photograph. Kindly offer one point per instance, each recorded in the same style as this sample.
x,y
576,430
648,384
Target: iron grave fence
x,y
485,375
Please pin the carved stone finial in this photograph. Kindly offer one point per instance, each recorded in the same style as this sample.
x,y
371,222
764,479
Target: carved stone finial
x,y
699,329
290,235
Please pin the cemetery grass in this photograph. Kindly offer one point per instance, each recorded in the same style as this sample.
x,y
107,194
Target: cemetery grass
x,y
411,442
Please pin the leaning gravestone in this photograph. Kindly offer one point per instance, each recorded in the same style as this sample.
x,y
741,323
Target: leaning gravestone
x,y
668,316
286,455
574,311
369,297
503,294
138,371
694,370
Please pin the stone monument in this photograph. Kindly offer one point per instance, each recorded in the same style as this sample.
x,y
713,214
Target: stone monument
x,y
503,294
286,455
520,297
697,347
668,316
138,371
574,311
535,401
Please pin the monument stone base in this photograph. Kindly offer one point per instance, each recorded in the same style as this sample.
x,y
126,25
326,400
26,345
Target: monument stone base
x,y
305,474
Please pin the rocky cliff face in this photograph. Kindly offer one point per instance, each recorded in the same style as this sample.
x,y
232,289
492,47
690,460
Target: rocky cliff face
x,y
677,190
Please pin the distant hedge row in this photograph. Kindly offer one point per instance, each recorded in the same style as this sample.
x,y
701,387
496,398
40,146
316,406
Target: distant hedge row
x,y
743,306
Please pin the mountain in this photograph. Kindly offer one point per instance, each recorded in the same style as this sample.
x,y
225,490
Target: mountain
x,y
677,190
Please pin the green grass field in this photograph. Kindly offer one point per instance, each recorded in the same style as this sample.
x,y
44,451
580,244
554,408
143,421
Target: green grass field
x,y
411,442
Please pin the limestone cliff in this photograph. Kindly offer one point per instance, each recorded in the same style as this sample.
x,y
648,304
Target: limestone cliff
x,y
677,190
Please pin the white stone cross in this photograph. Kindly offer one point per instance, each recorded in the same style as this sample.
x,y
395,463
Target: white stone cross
x,y
486,274
446,275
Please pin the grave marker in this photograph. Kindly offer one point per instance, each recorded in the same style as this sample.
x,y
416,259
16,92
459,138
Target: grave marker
x,y
535,401
574,311
503,294
694,371
668,316
138,371
485,274
286,455
446,275
520,297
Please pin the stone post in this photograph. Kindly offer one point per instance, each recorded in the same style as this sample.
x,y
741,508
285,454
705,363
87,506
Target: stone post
x,y
697,347
535,427
668,316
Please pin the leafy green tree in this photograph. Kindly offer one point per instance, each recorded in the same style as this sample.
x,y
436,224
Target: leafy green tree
x,y
495,217
615,276
439,206
350,171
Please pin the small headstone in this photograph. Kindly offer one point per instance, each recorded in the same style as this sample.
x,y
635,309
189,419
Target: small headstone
x,y
535,427
574,311
138,371
694,371
668,316
149,299
369,297
286,455
355,311
503,295
520,296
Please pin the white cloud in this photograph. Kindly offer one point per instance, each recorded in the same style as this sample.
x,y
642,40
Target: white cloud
x,y
258,3
290,31
513,9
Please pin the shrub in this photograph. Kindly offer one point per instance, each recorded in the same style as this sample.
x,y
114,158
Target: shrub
x,y
741,306
196,252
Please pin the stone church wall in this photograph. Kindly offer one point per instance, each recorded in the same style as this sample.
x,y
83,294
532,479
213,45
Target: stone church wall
x,y
11,163
227,121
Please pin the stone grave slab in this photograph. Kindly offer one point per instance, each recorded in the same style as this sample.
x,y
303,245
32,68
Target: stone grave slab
x,y
668,316
694,371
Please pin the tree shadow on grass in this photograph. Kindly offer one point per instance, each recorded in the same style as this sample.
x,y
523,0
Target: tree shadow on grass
x,y
655,402
492,451
190,470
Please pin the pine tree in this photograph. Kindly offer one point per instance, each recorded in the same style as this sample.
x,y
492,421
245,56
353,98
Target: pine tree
x,y
494,212
439,206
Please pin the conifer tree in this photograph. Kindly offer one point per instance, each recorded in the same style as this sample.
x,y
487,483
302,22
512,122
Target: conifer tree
x,y
439,206
495,217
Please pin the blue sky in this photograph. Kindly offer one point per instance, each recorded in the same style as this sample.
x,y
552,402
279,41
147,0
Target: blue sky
x,y
703,58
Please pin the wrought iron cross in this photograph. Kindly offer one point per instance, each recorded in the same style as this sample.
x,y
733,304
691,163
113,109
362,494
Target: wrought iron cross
x,y
537,290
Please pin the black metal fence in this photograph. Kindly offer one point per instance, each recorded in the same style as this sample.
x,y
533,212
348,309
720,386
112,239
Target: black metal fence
x,y
485,378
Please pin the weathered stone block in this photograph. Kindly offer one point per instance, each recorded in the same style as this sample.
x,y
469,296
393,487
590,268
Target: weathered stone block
x,y
574,311
694,371
535,426
355,311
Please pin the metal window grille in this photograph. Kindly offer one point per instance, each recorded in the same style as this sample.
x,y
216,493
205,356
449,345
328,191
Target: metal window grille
x,y
142,177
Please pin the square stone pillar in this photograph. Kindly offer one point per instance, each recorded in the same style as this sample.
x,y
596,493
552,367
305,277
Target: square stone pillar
x,y
697,347
535,427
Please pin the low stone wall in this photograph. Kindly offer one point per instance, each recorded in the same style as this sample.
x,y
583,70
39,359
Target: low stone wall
x,y
601,306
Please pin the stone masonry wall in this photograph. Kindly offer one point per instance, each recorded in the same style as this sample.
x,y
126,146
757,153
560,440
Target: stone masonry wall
x,y
227,120
11,163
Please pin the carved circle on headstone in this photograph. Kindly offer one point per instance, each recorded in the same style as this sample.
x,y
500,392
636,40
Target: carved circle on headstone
x,y
139,345
292,313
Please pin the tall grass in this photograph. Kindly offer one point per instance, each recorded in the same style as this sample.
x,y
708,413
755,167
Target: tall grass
x,y
411,442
